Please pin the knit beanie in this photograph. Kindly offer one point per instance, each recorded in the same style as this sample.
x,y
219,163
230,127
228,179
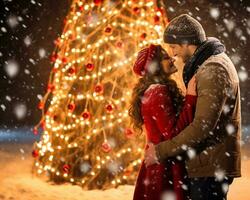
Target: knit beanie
x,y
184,29
144,58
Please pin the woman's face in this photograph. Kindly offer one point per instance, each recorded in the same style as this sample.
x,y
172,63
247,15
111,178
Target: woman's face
x,y
168,63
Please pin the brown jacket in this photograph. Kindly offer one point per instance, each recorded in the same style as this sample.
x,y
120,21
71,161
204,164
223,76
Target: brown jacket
x,y
214,135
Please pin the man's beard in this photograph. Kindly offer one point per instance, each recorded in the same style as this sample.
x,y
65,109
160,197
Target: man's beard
x,y
186,58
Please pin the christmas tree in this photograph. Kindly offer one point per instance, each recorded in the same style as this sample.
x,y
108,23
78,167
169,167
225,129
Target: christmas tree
x,y
86,134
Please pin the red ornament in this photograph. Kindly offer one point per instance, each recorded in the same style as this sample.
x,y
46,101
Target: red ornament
x,y
71,107
99,89
98,2
143,36
81,8
55,70
106,147
109,108
136,10
90,67
129,133
41,105
156,19
66,168
43,125
127,172
64,60
108,30
55,117
86,115
35,131
54,57
119,44
50,88
35,153
71,71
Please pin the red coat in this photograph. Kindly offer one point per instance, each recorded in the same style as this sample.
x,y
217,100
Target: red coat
x,y
161,124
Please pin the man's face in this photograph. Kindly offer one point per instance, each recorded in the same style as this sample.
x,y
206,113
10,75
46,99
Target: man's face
x,y
181,51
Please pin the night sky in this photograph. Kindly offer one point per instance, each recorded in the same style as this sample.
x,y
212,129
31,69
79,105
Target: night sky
x,y
28,29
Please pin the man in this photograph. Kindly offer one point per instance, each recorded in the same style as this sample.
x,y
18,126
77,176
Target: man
x,y
212,141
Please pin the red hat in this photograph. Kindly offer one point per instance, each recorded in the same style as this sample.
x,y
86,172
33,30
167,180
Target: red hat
x,y
144,57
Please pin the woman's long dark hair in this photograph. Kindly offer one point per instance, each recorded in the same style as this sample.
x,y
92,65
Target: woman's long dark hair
x,y
158,76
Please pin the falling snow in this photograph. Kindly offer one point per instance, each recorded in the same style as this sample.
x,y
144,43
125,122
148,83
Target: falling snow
x,y
42,52
191,153
219,175
11,68
168,195
20,111
27,41
215,13
85,167
229,27
12,21
243,75
230,129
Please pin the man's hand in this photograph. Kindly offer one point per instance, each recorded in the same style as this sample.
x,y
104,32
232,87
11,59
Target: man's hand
x,y
150,155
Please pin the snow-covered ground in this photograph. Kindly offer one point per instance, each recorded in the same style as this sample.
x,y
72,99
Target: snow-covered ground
x,y
17,183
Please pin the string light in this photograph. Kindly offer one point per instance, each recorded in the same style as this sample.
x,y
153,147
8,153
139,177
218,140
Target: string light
x,y
108,36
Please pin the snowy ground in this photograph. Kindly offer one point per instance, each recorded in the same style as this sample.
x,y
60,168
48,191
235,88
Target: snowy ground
x,y
17,183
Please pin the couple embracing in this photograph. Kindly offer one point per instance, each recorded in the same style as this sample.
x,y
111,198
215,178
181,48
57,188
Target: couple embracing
x,y
193,140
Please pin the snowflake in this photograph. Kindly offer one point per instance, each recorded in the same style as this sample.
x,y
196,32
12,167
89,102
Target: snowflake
x,y
39,96
225,187
12,68
3,107
113,167
219,175
32,61
146,182
236,59
33,2
12,21
191,153
171,9
20,110
168,195
3,29
230,129
27,41
243,75
22,151
42,53
230,24
85,167
226,109
152,67
26,71
215,13
8,98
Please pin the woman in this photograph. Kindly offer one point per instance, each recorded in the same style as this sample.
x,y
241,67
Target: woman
x,y
156,103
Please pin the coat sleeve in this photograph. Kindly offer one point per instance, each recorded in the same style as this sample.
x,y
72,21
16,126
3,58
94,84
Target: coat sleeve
x,y
164,115
213,86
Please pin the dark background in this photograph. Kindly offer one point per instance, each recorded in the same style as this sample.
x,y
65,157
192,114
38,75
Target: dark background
x,y
42,22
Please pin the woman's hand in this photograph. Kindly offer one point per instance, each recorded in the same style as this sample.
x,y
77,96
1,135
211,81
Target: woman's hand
x,y
191,89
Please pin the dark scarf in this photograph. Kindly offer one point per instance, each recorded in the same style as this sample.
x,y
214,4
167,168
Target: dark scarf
x,y
212,46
